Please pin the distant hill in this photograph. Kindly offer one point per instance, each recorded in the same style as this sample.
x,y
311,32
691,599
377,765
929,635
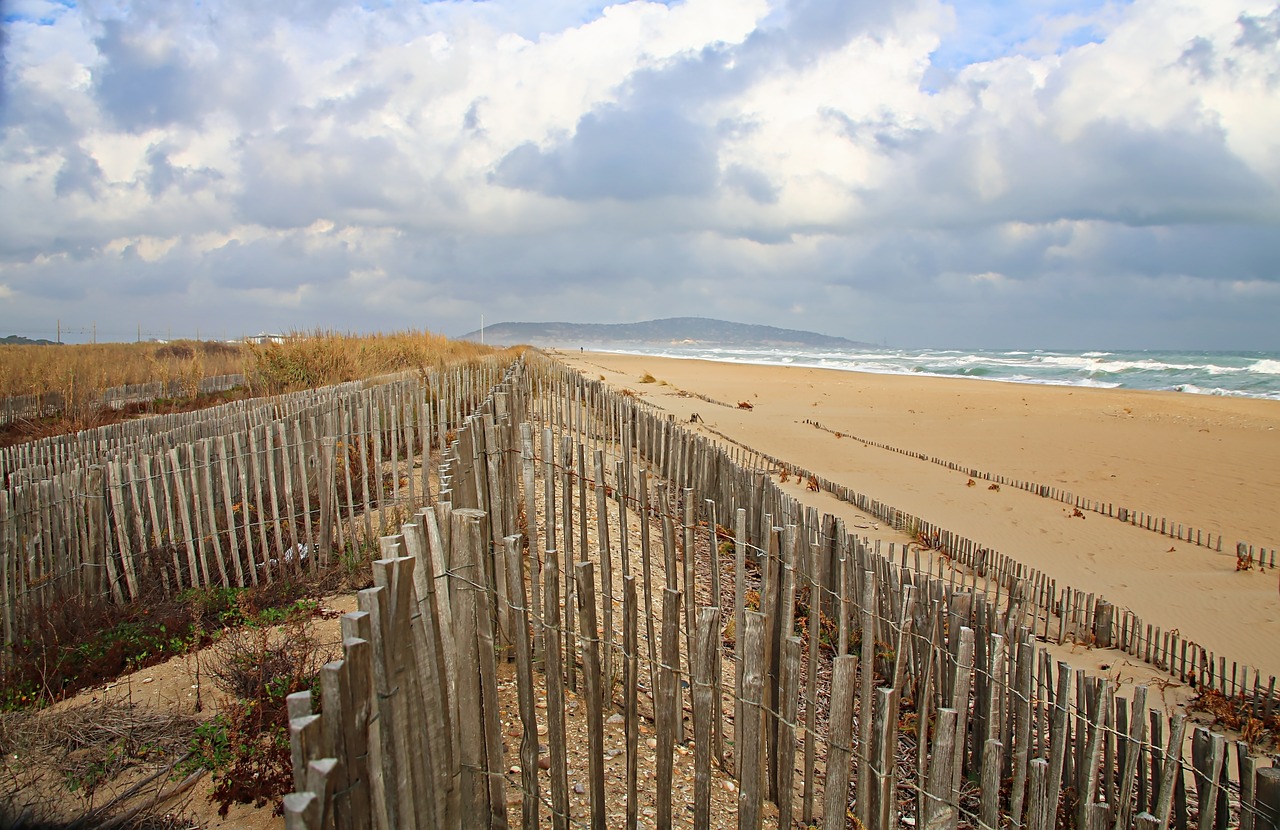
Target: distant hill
x,y
15,340
674,331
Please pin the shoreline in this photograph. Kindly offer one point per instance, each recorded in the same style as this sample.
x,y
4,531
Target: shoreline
x,y
805,360
1208,461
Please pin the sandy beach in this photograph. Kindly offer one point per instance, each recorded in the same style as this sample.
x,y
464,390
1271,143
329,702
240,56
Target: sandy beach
x,y
1207,462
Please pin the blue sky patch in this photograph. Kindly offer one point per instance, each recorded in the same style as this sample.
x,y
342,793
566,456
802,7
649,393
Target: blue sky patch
x,y
990,29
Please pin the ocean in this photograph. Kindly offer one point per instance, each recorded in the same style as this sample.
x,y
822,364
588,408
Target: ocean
x,y
1237,374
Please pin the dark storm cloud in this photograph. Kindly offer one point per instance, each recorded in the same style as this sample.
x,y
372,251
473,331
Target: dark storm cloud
x,y
629,155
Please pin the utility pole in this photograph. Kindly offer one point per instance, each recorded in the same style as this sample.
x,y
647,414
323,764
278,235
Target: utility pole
x,y
59,335
481,329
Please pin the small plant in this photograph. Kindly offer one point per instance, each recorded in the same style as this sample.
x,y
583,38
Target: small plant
x,y
648,378
210,746
828,629
248,746
353,561
74,646
1236,712
264,664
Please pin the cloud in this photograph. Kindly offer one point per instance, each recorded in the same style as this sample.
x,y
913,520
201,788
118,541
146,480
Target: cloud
x,y
164,175
863,168
1260,32
144,82
629,155
291,180
754,183
80,173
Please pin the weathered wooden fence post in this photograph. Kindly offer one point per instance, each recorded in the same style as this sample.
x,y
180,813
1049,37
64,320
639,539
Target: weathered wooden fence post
x,y
751,741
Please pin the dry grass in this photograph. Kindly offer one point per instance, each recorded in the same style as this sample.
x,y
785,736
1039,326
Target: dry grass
x,y
306,359
77,763
322,358
57,735
82,373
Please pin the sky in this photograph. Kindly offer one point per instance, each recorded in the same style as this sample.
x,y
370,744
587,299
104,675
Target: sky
x,y
988,174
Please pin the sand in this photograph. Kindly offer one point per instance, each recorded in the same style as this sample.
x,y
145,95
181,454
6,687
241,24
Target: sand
x,y
1207,462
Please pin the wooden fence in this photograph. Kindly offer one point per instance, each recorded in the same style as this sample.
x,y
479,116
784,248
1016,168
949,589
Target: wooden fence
x,y
1183,532
829,678
225,496
28,407
1066,614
